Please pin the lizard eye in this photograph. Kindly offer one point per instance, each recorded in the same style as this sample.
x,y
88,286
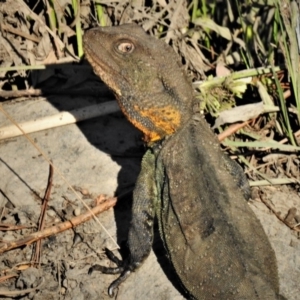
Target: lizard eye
x,y
125,47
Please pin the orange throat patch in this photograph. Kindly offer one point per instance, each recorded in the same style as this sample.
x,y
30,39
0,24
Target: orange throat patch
x,y
164,121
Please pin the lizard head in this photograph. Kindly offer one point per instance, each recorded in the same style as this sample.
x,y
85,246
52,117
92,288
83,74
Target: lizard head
x,y
145,75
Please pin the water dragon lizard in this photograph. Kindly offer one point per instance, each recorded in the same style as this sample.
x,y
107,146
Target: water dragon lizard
x,y
215,243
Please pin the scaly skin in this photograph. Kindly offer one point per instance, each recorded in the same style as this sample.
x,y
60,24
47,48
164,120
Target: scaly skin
x,y
215,243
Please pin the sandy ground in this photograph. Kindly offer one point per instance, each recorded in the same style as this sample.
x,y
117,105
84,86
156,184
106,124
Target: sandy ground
x,y
99,156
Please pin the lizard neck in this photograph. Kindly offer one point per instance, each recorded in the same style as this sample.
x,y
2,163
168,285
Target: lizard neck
x,y
155,121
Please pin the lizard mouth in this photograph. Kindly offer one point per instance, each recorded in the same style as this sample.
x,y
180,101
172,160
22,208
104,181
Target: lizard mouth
x,y
103,70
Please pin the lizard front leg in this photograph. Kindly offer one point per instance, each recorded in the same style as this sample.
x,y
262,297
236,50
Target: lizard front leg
x,y
140,236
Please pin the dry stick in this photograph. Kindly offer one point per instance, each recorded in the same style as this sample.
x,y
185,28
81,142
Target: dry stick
x,y
60,119
10,227
46,198
21,33
36,257
31,238
56,169
21,93
5,277
232,129
42,92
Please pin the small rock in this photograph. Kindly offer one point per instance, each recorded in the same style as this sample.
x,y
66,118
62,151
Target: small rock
x,y
77,211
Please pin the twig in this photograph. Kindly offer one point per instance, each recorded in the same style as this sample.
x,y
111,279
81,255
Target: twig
x,y
21,33
8,227
274,181
46,198
5,246
231,130
83,91
21,93
36,257
5,277
60,119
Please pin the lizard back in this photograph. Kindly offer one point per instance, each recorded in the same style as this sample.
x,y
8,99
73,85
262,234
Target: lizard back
x,y
217,246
